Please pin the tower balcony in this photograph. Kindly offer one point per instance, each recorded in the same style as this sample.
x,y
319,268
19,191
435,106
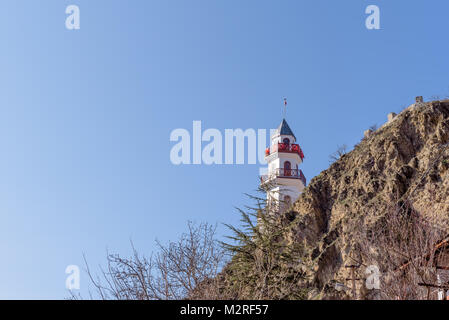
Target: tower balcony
x,y
285,147
284,173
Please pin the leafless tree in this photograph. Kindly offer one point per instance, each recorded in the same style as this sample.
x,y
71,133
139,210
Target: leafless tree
x,y
407,246
175,271
341,151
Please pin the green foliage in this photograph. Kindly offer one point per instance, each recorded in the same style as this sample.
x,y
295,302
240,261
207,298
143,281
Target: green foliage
x,y
265,264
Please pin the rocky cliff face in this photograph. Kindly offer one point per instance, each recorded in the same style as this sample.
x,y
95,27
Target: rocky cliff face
x,y
407,158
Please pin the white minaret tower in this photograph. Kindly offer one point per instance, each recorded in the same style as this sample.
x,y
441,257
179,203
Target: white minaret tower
x,y
285,180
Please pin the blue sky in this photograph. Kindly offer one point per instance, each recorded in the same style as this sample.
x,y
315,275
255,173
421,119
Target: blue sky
x,y
86,115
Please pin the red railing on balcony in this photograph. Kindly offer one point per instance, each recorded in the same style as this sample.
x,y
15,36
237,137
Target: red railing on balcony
x,y
285,173
285,147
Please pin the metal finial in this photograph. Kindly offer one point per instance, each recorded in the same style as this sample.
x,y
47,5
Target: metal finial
x,y
285,107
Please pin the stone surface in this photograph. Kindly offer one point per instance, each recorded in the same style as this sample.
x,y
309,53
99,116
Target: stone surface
x,y
367,133
408,158
391,116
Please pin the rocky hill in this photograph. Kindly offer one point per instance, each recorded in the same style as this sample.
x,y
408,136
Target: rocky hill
x,y
407,159
384,206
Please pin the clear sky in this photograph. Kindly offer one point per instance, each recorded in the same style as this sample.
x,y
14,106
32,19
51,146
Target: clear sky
x,y
86,115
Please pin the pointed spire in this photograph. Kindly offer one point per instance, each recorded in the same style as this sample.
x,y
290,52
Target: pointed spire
x,y
285,130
